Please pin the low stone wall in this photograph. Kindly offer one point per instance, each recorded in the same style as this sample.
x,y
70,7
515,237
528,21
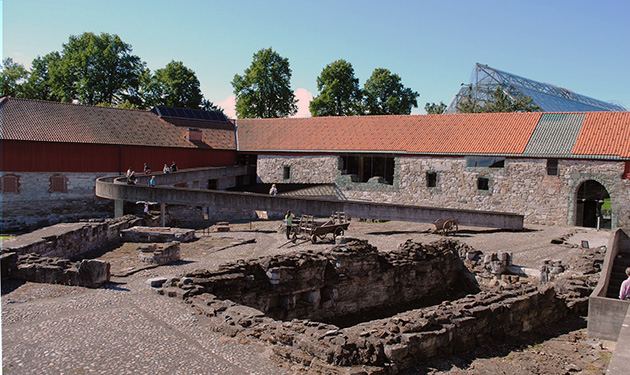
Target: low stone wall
x,y
89,272
238,299
156,234
68,240
342,284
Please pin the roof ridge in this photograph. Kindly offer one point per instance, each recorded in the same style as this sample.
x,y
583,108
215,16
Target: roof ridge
x,y
79,105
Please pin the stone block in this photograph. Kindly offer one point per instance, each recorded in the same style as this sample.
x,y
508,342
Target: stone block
x,y
160,253
157,234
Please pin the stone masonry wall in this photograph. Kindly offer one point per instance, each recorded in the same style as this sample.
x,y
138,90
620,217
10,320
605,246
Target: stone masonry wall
x,y
345,280
386,345
521,187
35,206
69,240
304,169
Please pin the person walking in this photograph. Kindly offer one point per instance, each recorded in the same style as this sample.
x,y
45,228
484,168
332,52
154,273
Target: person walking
x,y
288,218
152,182
624,292
273,191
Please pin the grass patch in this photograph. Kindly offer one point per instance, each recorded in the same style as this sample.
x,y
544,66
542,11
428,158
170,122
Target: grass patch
x,y
605,356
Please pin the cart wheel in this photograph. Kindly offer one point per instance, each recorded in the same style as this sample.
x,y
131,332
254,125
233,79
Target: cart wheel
x,y
314,239
338,232
294,237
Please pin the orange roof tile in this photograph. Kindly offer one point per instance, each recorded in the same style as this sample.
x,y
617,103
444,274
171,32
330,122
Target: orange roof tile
x,y
604,133
506,133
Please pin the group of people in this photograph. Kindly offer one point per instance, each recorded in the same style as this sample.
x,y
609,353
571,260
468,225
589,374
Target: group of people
x,y
167,169
131,174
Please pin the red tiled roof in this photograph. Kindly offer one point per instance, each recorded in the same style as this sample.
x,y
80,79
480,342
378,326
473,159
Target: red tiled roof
x,y
505,133
35,120
604,133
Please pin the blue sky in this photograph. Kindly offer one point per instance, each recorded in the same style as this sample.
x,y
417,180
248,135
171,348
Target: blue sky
x,y
580,45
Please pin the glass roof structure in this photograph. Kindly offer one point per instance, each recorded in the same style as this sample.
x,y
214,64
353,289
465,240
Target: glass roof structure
x,y
550,98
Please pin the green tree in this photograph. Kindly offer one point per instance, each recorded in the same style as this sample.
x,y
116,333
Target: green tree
x,y
207,105
14,77
386,95
498,102
39,82
339,92
264,90
95,69
174,86
435,109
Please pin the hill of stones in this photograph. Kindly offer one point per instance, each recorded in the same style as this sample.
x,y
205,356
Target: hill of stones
x,y
354,310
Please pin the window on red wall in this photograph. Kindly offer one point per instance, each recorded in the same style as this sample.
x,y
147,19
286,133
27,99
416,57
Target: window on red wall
x,y
58,184
10,183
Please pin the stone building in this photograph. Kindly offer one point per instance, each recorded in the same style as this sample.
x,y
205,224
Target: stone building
x,y
554,168
568,168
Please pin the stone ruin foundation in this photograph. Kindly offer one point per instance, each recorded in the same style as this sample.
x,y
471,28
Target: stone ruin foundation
x,y
159,253
354,310
157,234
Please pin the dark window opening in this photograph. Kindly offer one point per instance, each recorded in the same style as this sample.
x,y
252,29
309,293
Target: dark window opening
x,y
431,179
212,184
552,167
10,183
58,184
247,159
365,167
483,183
286,172
485,162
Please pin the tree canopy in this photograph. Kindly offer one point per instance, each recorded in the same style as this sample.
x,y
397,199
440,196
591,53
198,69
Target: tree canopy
x,y
175,86
339,92
95,69
386,95
435,109
100,70
13,78
264,90
499,101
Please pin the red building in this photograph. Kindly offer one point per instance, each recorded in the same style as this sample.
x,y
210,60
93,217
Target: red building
x,y
52,152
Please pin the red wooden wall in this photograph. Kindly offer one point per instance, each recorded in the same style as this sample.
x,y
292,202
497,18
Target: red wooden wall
x,y
26,156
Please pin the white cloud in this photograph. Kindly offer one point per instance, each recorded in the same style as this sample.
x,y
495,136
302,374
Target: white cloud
x,y
229,106
304,98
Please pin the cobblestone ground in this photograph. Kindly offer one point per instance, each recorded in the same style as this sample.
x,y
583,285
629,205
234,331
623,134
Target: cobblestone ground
x,y
126,328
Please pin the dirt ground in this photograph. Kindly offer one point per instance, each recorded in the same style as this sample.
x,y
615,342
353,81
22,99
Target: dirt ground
x,y
561,348
558,349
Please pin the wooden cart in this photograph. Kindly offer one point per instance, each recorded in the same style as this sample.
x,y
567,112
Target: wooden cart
x,y
307,227
446,226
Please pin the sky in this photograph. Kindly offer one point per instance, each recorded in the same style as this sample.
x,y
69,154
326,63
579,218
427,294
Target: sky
x,y
433,46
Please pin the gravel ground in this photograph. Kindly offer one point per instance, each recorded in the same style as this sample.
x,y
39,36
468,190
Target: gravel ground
x,y
125,327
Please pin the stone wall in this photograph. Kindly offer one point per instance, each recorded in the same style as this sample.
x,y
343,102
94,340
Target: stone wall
x,y
341,282
36,205
521,187
384,345
89,273
72,239
322,169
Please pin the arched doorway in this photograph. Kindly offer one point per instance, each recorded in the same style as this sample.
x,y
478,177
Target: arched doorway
x,y
593,206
